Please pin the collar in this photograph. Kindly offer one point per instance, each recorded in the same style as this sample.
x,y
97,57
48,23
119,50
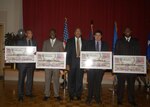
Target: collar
x,y
77,38
98,41
52,39
128,38
28,39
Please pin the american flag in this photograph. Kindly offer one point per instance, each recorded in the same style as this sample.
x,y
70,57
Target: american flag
x,y
66,34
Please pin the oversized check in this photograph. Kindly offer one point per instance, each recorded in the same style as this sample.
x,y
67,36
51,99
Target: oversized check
x,y
129,64
51,60
20,54
96,60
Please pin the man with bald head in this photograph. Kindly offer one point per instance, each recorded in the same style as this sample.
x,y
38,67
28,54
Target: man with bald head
x,y
127,45
75,74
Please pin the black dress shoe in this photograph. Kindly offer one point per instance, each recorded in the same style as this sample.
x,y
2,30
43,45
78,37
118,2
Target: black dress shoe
x,y
45,98
88,102
133,104
31,96
58,98
71,98
78,98
119,103
20,99
98,102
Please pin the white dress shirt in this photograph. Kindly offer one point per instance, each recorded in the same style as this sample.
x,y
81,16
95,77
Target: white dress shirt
x,y
128,38
52,41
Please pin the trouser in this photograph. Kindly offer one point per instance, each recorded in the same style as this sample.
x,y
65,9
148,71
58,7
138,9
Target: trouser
x,y
23,72
51,75
94,84
75,79
130,86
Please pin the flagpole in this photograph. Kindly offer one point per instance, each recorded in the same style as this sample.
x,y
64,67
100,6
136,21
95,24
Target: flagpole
x,y
65,19
91,30
113,48
148,65
64,44
65,70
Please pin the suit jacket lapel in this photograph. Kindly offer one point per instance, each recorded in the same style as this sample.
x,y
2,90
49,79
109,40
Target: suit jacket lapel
x,y
93,42
74,45
49,43
102,46
25,42
54,43
82,44
33,43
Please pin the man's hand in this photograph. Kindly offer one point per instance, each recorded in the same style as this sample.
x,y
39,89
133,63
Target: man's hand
x,y
68,67
61,72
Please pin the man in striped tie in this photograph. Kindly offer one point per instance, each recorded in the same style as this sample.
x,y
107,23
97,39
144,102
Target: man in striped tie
x,y
75,74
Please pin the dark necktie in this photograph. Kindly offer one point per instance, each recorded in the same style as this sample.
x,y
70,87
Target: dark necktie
x,y
97,46
29,42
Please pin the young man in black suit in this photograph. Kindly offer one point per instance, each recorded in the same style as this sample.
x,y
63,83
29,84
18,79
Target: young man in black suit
x,y
127,45
26,69
95,76
75,74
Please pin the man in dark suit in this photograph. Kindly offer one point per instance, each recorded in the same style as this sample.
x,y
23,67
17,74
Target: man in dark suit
x,y
26,69
95,76
75,74
52,45
127,45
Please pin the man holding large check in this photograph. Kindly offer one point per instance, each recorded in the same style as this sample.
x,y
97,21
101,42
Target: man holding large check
x,y
96,63
127,46
51,45
26,68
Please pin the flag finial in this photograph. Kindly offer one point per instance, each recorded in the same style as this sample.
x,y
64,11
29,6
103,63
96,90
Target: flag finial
x,y
116,26
65,18
92,22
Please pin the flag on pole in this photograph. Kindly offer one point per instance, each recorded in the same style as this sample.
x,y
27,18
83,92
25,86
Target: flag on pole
x,y
66,34
91,32
115,37
148,49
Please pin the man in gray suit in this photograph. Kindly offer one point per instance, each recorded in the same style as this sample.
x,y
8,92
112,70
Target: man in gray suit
x,y
52,45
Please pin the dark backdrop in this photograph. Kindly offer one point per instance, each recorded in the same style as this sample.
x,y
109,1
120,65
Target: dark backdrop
x,y
41,15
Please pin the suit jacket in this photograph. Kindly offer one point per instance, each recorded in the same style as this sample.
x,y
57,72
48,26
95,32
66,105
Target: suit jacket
x,y
91,46
57,47
71,51
124,47
23,42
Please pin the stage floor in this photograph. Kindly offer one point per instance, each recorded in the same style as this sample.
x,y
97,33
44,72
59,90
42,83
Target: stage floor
x,y
8,97
39,76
